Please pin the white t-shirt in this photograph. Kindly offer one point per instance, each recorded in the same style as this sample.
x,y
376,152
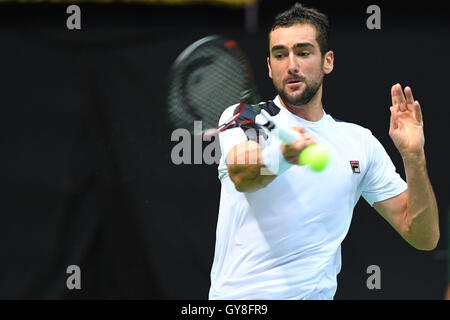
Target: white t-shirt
x,y
283,241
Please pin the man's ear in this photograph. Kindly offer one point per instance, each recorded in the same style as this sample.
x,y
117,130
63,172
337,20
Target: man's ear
x,y
268,66
328,62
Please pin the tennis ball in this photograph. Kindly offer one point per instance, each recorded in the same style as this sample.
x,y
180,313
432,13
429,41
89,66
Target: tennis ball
x,y
315,156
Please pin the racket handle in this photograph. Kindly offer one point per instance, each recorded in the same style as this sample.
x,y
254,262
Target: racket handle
x,y
287,135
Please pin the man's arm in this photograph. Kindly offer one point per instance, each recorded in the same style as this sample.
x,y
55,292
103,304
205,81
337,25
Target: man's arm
x,y
246,166
414,213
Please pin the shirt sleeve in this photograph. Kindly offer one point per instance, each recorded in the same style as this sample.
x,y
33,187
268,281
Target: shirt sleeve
x,y
239,134
231,137
381,180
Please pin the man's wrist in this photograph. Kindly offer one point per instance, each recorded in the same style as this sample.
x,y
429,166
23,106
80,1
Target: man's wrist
x,y
273,158
414,158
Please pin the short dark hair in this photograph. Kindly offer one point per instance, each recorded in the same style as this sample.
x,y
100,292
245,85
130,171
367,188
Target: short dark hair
x,y
299,14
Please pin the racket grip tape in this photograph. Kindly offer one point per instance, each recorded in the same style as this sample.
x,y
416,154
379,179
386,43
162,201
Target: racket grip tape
x,y
287,135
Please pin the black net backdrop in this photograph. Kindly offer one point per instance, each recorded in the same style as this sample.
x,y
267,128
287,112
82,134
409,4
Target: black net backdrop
x,y
87,177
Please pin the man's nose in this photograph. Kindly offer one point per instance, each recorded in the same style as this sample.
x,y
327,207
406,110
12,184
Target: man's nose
x,y
293,67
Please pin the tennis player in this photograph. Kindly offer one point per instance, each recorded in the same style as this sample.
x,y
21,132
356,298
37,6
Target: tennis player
x,y
279,235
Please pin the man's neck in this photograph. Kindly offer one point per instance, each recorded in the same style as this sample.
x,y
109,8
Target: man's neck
x,y
312,111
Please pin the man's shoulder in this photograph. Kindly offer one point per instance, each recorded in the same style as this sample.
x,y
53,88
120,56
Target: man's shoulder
x,y
250,111
228,113
351,127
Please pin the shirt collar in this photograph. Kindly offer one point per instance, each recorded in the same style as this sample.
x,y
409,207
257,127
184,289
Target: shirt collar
x,y
300,120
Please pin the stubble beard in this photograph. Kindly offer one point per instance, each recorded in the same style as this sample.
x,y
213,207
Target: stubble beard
x,y
311,88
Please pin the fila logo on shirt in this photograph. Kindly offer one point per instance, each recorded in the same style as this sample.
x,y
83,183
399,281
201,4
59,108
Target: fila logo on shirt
x,y
355,166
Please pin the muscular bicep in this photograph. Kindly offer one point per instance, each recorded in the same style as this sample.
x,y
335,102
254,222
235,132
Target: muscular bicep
x,y
393,210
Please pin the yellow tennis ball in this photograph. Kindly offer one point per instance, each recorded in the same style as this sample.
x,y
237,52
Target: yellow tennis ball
x,y
315,156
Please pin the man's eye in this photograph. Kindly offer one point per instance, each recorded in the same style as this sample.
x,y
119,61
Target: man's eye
x,y
304,54
279,55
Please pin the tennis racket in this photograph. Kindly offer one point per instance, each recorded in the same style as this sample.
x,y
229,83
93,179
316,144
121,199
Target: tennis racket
x,y
209,76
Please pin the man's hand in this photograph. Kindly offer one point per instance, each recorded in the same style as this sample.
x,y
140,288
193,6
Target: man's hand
x,y
413,213
406,128
292,152
245,162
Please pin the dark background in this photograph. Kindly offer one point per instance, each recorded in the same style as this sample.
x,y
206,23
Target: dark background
x,y
86,175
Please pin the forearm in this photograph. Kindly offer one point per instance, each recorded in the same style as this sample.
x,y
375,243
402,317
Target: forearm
x,y
246,168
251,168
248,178
422,227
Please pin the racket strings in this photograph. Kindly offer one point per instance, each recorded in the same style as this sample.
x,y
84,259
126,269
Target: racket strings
x,y
208,80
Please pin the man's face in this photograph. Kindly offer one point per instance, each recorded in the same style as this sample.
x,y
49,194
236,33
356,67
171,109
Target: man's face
x,y
296,65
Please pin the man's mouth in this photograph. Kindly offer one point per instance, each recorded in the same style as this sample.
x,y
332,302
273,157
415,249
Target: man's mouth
x,y
294,80
293,83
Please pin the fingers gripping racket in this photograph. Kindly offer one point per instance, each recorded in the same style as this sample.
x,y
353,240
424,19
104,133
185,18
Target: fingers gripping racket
x,y
210,75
